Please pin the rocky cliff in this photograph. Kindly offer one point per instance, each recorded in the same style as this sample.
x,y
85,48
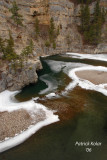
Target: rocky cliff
x,y
16,79
65,13
66,16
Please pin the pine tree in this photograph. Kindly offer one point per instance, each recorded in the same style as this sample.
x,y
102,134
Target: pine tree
x,y
85,17
31,47
28,50
58,31
52,30
54,45
15,15
2,45
82,17
37,30
103,15
92,28
97,12
9,50
84,1
85,21
97,24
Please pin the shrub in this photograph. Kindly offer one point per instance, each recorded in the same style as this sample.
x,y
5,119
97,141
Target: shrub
x,y
47,44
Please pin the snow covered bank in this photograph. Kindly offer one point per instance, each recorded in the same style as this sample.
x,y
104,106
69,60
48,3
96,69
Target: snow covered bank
x,y
85,83
101,57
6,104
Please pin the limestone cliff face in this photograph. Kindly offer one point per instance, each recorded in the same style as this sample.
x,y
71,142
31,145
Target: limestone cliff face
x,y
66,15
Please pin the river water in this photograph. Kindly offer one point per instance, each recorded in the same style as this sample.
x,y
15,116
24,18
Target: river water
x,y
84,121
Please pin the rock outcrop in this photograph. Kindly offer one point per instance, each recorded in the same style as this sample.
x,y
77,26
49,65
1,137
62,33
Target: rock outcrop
x,y
12,79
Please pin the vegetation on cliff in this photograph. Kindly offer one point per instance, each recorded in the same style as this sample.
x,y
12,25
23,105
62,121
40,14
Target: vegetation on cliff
x,y
37,29
28,50
85,1
17,18
52,33
91,26
7,46
9,54
45,34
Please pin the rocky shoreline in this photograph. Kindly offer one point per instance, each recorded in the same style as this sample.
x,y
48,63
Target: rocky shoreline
x,y
23,119
13,123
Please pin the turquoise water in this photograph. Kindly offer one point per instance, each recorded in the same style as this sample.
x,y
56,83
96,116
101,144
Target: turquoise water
x,y
57,141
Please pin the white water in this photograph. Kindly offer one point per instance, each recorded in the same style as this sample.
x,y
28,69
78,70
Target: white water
x,y
6,104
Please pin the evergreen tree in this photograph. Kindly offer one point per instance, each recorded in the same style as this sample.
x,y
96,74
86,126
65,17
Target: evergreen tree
x,y
97,24
52,30
84,1
53,33
9,53
2,45
58,31
37,30
103,15
15,15
31,45
85,21
85,17
28,50
92,28
54,45
82,17
97,12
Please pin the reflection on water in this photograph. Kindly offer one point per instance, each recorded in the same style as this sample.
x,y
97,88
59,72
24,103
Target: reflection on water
x,y
82,113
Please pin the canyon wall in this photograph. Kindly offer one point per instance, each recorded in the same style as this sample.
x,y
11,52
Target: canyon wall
x,y
66,16
65,13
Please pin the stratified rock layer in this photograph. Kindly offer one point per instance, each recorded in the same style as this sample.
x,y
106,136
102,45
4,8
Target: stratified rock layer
x,y
66,16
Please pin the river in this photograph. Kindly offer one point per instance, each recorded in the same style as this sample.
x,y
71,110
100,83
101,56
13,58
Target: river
x,y
85,119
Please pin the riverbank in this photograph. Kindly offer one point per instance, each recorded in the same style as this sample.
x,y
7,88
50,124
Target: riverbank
x,y
20,120
13,123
